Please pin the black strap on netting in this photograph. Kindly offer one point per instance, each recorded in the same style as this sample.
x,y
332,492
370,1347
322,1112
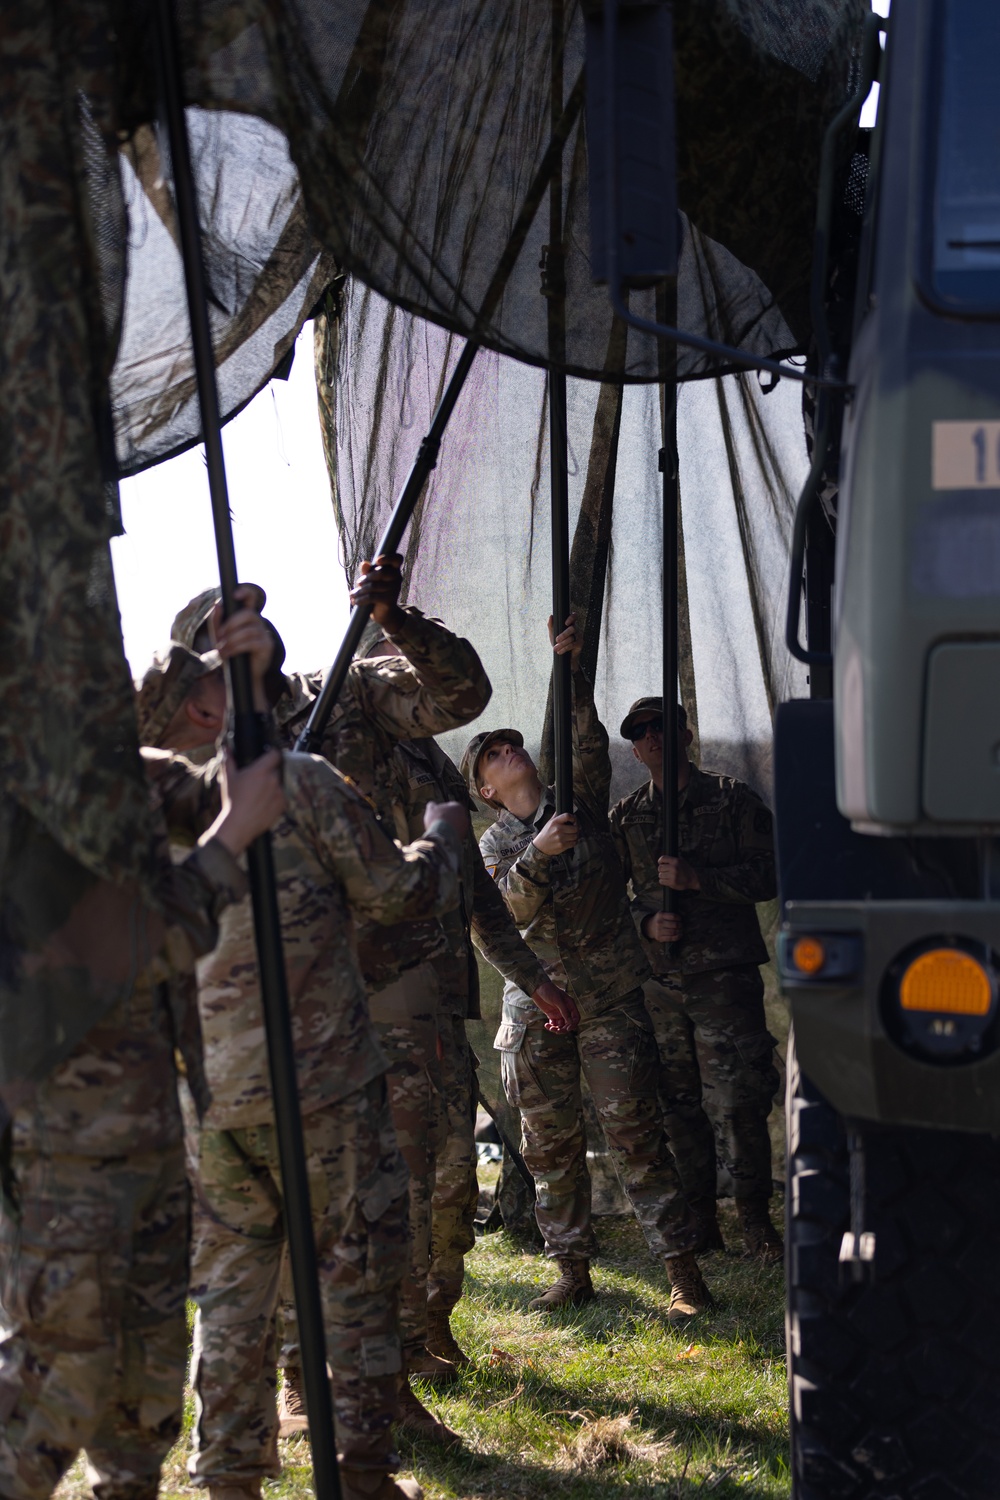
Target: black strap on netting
x,y
248,746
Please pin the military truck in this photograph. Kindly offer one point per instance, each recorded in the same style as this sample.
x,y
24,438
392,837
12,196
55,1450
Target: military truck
x,y
887,787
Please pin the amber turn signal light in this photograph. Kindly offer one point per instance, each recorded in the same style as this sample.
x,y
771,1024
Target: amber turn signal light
x,y
808,955
948,981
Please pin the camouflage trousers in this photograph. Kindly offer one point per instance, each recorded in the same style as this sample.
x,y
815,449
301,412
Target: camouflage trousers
x,y
456,1187
93,1343
541,1076
405,1018
357,1183
717,1077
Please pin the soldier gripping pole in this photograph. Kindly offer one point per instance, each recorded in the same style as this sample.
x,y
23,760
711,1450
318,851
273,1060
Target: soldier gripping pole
x,y
248,746
666,313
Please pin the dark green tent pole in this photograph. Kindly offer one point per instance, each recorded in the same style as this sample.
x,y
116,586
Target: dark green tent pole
x,y
666,300
554,288
267,928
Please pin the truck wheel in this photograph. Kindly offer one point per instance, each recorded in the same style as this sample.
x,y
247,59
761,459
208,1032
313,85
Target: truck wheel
x,y
894,1385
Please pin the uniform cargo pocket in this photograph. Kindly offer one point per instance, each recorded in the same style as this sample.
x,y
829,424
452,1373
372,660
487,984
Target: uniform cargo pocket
x,y
510,1037
755,1050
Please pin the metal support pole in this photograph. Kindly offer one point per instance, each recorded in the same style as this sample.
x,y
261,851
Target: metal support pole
x,y
389,543
666,299
554,289
312,734
267,928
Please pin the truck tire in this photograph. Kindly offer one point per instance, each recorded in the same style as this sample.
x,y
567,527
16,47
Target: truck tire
x,y
894,1385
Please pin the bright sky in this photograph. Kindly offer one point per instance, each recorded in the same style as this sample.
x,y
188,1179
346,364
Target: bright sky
x,y
283,523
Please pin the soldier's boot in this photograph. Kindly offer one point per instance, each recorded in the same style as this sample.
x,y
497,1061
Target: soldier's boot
x,y
573,1288
688,1293
441,1341
372,1484
706,1212
412,1414
292,1418
249,1489
431,1366
761,1241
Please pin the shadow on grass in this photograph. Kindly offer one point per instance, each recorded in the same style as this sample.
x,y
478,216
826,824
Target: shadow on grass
x,y
492,1477
736,1316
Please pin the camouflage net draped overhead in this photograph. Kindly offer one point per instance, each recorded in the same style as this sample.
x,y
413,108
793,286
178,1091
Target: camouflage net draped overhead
x,y
418,130
398,139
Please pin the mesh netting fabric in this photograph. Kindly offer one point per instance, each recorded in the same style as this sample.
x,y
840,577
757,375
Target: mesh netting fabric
x,y
419,133
478,547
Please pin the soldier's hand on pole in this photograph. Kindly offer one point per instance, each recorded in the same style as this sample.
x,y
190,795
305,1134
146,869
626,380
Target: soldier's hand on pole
x,y
662,927
452,813
379,586
559,834
246,634
567,642
559,1007
676,874
252,801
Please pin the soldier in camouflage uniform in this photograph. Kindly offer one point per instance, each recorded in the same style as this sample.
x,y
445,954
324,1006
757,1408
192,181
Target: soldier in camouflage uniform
x,y
94,1226
425,773
562,880
331,859
432,683
706,997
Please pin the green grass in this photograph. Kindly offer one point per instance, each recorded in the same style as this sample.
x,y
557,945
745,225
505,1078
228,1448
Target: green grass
x,y
601,1403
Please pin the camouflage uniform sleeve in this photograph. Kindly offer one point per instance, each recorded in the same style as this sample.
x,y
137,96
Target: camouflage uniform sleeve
x,y
523,880
497,938
189,796
639,907
384,881
591,761
199,889
751,877
447,684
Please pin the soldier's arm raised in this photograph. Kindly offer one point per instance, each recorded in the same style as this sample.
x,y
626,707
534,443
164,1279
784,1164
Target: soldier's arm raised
x,y
443,684
591,761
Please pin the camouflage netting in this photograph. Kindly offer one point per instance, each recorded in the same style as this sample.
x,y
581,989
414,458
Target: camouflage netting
x,y
401,140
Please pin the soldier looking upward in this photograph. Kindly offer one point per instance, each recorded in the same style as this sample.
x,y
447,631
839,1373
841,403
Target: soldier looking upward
x,y
706,997
562,881
426,774
332,861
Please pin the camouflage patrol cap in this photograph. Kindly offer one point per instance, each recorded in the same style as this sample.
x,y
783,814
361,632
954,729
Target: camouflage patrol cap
x,y
166,685
648,706
474,750
196,612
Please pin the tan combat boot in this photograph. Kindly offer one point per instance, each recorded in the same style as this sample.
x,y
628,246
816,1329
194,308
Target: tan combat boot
x,y
688,1292
412,1414
371,1484
435,1368
248,1490
573,1288
761,1241
706,1212
292,1418
441,1341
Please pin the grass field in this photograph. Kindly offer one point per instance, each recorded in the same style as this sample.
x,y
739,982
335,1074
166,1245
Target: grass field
x,y
603,1403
